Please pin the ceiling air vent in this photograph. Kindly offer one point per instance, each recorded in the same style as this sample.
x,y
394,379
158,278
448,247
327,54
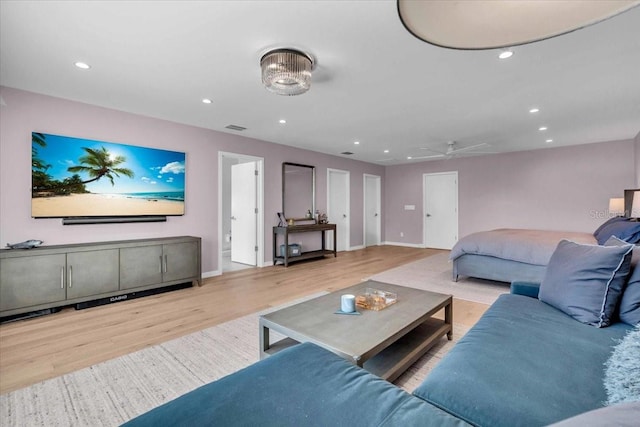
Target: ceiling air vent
x,y
347,153
235,127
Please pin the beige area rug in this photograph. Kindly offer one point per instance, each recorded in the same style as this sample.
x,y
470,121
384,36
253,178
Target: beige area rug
x,y
434,274
110,393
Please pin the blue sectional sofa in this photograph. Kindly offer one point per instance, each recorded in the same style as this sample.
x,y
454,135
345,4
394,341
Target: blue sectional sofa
x,y
539,355
524,363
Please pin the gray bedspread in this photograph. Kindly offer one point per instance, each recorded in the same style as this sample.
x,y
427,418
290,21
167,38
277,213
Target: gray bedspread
x,y
529,246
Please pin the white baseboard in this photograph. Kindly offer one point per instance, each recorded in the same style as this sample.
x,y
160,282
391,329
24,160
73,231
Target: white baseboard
x,y
407,245
355,248
208,274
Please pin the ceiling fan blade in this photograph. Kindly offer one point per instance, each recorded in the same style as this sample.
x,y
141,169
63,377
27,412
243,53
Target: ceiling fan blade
x,y
435,156
471,147
435,151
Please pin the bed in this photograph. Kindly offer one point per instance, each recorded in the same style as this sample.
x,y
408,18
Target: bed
x,y
507,254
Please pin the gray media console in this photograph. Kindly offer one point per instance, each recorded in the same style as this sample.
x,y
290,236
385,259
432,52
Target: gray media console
x,y
53,276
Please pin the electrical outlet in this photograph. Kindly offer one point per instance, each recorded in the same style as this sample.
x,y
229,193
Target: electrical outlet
x,y
401,234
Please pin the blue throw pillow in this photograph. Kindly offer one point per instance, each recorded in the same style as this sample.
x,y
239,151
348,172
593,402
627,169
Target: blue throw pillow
x,y
586,281
623,228
607,223
630,299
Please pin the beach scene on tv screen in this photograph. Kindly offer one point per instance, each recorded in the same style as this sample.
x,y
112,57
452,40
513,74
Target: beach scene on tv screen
x,y
74,177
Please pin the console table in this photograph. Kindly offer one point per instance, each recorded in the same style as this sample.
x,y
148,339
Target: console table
x,y
303,228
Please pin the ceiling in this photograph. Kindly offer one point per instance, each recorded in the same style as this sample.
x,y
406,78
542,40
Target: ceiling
x,y
374,82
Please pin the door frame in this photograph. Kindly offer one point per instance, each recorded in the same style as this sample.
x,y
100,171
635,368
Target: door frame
x,y
378,181
260,203
424,204
347,232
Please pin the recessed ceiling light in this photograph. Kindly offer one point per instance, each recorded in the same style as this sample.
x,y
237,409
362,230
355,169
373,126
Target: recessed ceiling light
x,y
409,158
206,101
534,110
542,128
282,121
505,54
385,151
549,141
356,142
82,65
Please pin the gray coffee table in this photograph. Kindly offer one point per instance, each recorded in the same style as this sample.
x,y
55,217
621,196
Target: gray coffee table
x,y
384,342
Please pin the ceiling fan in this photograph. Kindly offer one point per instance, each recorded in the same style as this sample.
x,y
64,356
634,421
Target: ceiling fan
x,y
452,151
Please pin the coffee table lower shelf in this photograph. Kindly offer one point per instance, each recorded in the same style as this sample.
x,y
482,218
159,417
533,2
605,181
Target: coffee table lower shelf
x,y
395,359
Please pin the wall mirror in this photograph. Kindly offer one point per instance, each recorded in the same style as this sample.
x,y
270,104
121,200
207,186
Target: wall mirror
x,y
298,190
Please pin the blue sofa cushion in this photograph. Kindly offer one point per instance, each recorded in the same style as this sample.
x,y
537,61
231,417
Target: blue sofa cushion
x,y
302,386
524,363
528,289
586,281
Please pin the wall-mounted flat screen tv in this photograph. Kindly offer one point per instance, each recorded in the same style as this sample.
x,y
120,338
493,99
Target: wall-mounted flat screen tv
x,y
73,177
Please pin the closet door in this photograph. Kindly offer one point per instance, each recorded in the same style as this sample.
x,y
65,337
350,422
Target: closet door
x,y
440,210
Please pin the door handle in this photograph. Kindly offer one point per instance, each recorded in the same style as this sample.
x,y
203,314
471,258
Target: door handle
x,y
428,215
344,215
375,214
233,218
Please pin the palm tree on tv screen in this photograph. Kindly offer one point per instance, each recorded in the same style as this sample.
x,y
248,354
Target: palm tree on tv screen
x,y
100,163
36,162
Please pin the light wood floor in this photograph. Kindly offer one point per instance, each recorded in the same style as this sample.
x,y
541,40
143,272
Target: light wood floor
x,y
37,349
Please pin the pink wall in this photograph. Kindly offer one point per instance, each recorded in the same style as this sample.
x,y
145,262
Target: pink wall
x,y
637,159
559,188
564,188
25,112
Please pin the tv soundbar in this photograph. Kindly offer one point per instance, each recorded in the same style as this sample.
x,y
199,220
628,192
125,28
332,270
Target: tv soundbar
x,y
131,295
112,219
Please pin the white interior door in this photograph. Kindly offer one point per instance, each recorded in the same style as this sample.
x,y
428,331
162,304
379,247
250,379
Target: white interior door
x,y
338,207
440,210
244,214
372,215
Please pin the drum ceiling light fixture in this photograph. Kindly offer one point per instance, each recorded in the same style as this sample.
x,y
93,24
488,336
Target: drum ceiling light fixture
x,y
286,71
481,24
